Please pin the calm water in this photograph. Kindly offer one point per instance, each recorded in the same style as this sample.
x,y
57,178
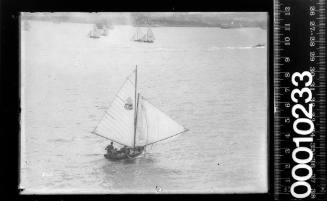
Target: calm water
x,y
210,80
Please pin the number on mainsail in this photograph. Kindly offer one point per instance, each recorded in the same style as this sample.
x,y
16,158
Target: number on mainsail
x,y
152,125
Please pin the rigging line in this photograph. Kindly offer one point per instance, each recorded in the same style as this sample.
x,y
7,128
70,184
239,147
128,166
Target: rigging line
x,y
118,128
130,81
119,120
113,99
112,111
110,115
119,98
120,116
167,137
115,136
118,111
146,124
93,132
118,138
115,130
135,104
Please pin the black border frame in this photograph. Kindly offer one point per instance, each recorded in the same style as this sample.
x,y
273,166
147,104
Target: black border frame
x,y
10,82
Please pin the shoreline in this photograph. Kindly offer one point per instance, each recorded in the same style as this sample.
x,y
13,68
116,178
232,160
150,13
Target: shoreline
x,y
184,24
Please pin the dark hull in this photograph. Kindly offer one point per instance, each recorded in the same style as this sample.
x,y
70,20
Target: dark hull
x,y
94,36
259,45
122,156
144,41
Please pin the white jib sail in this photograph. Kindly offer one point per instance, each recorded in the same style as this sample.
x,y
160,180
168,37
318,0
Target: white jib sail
x,y
154,125
118,122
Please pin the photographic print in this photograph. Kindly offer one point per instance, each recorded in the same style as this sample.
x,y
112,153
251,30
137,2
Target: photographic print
x,y
143,102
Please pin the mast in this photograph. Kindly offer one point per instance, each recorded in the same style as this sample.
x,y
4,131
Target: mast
x,y
136,107
147,33
137,34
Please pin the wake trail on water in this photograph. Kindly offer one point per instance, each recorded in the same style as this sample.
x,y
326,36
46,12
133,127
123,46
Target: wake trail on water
x,y
214,48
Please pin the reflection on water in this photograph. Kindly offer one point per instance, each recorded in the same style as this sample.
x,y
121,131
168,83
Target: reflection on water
x,y
210,80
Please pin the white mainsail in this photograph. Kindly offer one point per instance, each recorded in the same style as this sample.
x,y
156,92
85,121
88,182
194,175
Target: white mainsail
x,y
118,122
154,125
150,35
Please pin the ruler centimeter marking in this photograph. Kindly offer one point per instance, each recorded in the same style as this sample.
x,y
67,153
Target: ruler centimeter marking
x,y
299,100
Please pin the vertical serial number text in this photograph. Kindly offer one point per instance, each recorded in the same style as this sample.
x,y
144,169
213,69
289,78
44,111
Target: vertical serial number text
x,y
303,128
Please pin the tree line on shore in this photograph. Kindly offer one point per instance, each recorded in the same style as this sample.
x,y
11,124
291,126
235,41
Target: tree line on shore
x,y
226,20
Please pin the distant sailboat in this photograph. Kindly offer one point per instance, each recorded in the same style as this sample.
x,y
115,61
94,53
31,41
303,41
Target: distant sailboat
x,y
98,31
102,28
95,33
134,122
149,36
104,32
259,45
146,38
138,35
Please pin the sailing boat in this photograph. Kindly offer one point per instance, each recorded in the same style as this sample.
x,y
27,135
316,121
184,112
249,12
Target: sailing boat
x,y
149,36
98,31
138,35
102,28
94,33
146,38
132,121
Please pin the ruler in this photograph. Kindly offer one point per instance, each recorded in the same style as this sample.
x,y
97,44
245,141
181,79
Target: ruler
x,y
299,100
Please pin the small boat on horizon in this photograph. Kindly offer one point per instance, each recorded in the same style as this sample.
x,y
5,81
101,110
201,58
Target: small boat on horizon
x,y
259,45
98,30
133,122
94,34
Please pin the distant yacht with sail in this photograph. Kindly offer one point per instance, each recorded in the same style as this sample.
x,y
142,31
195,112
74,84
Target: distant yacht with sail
x,y
148,37
259,45
133,122
94,33
98,30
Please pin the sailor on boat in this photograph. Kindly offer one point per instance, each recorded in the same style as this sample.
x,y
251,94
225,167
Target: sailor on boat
x,y
110,148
